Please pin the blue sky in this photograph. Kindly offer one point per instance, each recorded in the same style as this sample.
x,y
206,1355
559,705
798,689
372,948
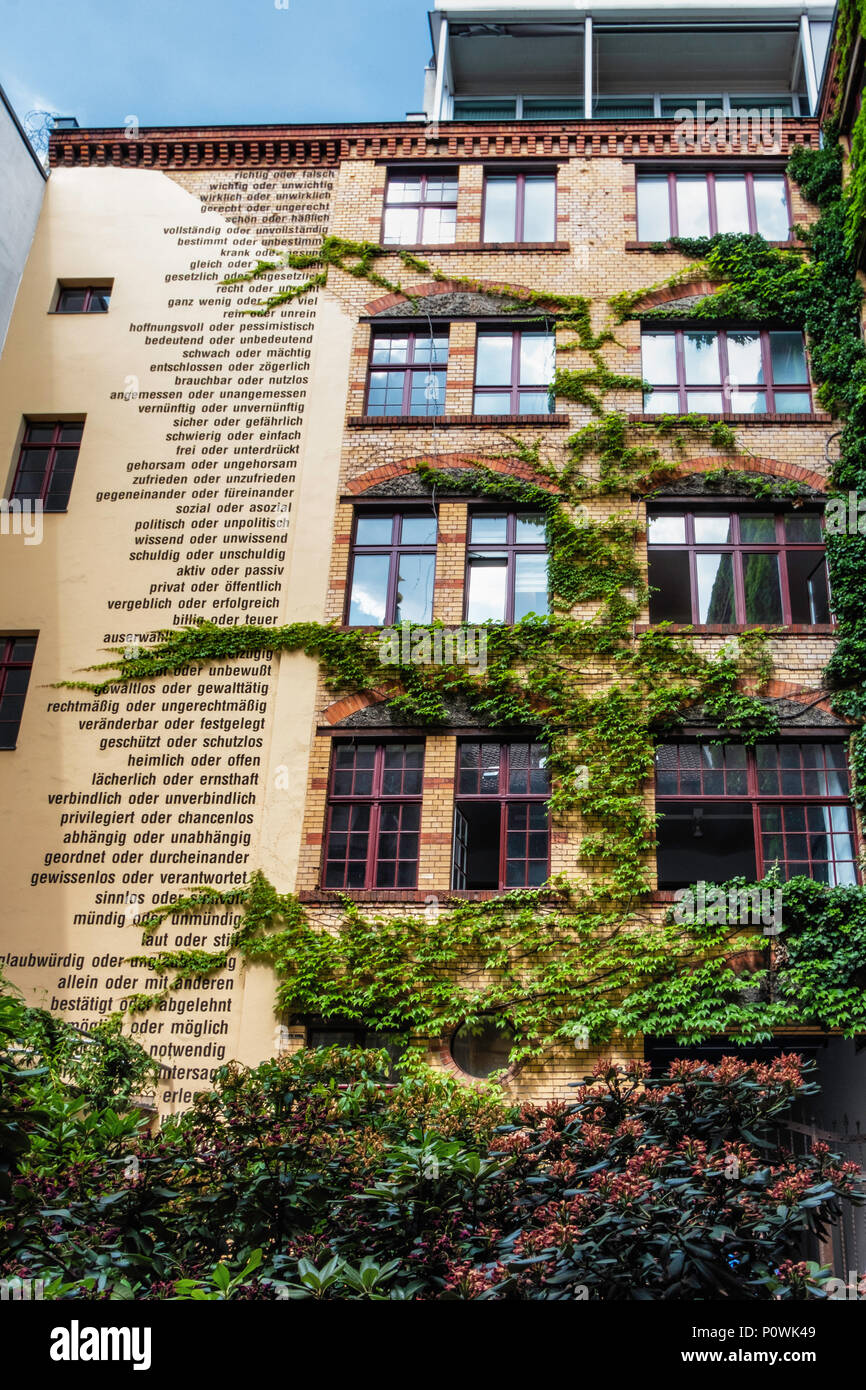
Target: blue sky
x,y
215,62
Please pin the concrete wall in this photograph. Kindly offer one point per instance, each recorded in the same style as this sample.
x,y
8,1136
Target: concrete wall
x,y
22,184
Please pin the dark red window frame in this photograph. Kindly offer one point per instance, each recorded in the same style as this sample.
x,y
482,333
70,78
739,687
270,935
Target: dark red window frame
x,y
62,457
710,176
394,549
515,810
510,547
16,662
370,811
410,368
738,549
514,385
775,395
422,204
89,292
520,208
757,798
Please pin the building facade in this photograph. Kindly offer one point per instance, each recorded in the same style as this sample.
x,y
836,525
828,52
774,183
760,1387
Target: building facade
x,y
195,461
23,187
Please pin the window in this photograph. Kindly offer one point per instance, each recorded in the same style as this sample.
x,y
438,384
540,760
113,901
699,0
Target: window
x,y
83,299
520,207
393,567
744,372
407,373
483,1048
730,810
506,566
492,110
46,463
514,371
335,1034
501,829
16,661
374,815
695,205
421,209
717,565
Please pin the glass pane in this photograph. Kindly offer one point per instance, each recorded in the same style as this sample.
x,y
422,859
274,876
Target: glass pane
x,y
762,587
732,208
701,356
483,1049
749,402
490,754
487,579
659,358
537,357
404,191
99,301
439,226
793,403
669,574
539,210
745,364
488,530
492,403
661,403
530,586
803,526
715,588
40,434
500,209
24,649
374,530
418,530
389,349
771,207
433,350
493,361
427,394
788,358
441,189
401,227
757,529
807,584
712,530
71,301
367,604
693,209
535,403
385,396
415,589
530,528
705,402
653,209
667,530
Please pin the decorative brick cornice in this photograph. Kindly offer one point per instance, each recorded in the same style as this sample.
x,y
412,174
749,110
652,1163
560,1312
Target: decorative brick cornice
x,y
513,468
750,464
326,146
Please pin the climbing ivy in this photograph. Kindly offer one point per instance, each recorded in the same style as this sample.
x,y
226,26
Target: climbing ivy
x,y
580,959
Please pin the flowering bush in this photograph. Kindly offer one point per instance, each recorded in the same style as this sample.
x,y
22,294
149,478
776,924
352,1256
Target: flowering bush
x,y
309,1177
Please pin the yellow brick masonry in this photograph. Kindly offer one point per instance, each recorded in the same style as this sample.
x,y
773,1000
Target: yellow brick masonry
x,y
597,219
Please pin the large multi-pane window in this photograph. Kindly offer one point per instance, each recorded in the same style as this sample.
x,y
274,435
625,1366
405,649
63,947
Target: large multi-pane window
x,y
16,663
722,565
501,826
694,205
506,566
374,815
520,207
421,209
407,372
729,811
740,371
46,463
514,371
393,568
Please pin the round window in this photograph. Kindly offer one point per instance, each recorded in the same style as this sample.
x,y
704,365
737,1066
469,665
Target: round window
x,y
482,1048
